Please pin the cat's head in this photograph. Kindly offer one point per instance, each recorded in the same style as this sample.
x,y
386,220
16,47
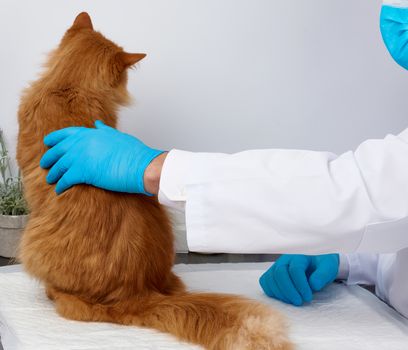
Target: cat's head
x,y
85,58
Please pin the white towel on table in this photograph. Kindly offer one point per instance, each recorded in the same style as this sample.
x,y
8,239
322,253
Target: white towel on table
x,y
339,318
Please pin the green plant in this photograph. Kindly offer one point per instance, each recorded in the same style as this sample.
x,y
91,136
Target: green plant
x,y
12,200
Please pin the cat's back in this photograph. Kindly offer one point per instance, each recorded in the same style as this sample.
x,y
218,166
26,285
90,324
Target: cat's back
x,y
87,228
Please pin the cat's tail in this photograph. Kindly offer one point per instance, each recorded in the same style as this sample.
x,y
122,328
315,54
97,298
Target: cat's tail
x,y
215,321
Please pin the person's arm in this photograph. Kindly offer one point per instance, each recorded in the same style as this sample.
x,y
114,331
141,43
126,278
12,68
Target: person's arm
x,y
359,268
392,280
152,174
294,279
278,201
256,201
387,272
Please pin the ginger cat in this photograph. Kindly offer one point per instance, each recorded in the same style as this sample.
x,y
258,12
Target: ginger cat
x,y
106,256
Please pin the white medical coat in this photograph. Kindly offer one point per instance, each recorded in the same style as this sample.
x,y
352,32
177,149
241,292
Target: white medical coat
x,y
387,272
293,201
289,201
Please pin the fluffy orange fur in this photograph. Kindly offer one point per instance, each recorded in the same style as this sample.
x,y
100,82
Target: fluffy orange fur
x,y
106,256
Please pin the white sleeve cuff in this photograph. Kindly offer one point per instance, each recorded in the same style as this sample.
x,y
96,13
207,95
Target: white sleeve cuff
x,y
362,268
183,169
173,179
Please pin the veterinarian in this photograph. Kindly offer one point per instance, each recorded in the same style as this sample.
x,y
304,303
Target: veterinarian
x,y
264,201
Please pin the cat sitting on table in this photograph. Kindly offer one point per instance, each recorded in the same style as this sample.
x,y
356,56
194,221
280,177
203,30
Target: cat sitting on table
x,y
106,256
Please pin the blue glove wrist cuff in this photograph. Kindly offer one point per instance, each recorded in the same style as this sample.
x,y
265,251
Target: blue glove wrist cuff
x,y
141,168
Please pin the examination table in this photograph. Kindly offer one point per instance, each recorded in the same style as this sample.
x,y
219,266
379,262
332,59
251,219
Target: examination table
x,y
340,317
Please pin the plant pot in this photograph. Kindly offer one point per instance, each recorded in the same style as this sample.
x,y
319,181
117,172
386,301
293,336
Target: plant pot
x,y
11,230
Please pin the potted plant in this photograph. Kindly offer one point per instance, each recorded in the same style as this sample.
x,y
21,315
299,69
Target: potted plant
x,y
13,207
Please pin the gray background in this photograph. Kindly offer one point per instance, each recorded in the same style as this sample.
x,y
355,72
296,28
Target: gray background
x,y
228,75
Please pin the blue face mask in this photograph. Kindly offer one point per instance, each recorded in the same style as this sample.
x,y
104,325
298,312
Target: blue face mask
x,y
394,30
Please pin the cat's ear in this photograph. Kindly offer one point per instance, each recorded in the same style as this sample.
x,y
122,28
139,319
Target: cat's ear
x,y
129,59
83,20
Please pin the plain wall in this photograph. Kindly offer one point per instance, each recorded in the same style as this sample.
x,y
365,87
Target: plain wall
x,y
227,75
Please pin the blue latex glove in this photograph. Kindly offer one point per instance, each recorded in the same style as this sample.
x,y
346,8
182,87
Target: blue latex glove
x,y
394,30
103,157
294,278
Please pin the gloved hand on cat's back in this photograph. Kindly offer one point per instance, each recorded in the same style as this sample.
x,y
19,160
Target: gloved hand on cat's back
x,y
102,157
294,278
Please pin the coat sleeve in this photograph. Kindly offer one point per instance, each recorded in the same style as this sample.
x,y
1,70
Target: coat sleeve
x,y
359,268
292,201
387,272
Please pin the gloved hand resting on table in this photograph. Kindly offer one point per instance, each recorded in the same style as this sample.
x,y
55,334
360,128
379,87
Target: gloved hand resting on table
x,y
102,156
294,278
